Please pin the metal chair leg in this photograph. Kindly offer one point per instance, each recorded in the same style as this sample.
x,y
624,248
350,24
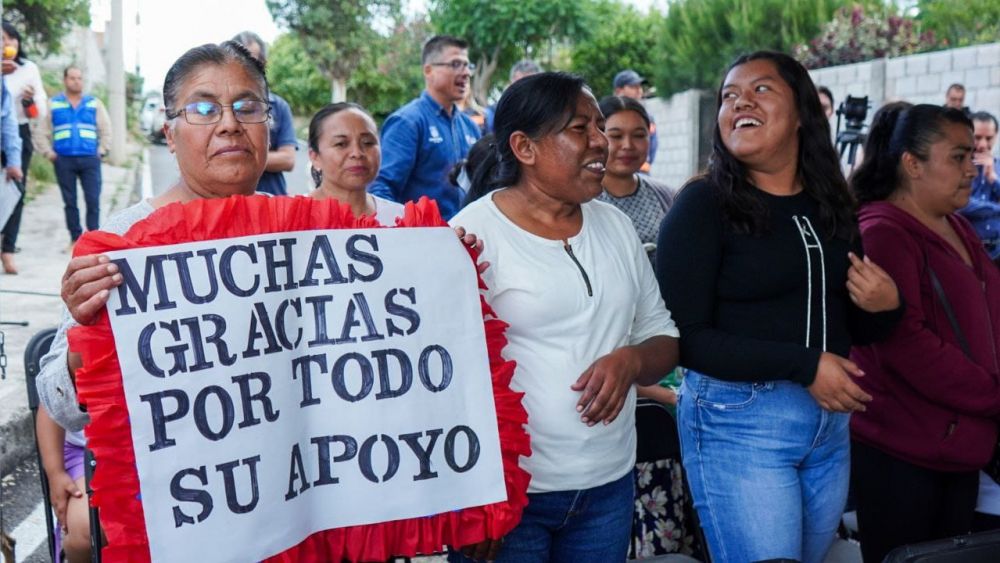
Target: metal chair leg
x,y
96,541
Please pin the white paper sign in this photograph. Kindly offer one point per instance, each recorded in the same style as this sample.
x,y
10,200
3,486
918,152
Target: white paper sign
x,y
283,384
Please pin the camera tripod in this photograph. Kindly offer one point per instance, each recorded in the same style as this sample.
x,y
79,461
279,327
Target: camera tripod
x,y
848,142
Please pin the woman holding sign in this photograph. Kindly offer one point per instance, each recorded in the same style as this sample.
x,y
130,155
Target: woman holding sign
x,y
586,319
217,127
219,153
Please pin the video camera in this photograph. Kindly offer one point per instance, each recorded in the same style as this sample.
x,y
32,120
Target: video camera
x,y
854,110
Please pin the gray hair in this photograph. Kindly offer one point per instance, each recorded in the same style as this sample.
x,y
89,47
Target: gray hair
x,y
524,67
246,38
210,54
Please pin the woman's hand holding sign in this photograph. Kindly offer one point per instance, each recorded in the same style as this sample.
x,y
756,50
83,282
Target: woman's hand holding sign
x,y
86,286
470,240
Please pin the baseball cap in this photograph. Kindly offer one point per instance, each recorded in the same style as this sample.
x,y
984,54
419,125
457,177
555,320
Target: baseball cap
x,y
627,78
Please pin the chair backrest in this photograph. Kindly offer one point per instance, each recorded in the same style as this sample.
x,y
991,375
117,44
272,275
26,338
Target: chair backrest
x,y
656,432
983,547
37,347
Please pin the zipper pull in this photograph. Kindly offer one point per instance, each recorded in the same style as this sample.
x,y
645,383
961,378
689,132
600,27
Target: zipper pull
x,y
586,279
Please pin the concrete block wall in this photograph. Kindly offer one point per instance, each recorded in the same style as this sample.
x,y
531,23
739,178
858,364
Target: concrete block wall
x,y
684,120
678,133
921,78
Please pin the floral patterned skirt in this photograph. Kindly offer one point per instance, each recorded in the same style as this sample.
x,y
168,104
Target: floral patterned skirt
x,y
664,516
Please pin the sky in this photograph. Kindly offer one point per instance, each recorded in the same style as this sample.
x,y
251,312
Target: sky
x,y
165,29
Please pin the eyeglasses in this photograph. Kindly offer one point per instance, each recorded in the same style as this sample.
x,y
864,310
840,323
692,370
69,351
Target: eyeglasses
x,y
207,113
457,65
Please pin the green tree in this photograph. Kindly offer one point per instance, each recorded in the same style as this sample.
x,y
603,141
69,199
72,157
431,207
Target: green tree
x,y
387,77
699,38
335,34
620,40
957,24
43,23
501,31
391,73
294,76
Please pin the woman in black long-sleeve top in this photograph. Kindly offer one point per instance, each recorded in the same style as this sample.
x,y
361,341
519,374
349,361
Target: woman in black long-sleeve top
x,y
754,261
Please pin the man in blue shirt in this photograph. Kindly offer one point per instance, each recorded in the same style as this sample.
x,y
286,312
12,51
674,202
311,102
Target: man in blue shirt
x,y
983,210
281,151
423,140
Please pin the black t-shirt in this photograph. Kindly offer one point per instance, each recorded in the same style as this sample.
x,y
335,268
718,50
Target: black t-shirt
x,y
759,307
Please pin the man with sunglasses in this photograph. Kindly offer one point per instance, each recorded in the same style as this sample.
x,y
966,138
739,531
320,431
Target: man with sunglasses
x,y
423,140
76,134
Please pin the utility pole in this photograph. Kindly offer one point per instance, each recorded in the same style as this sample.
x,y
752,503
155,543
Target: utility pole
x,y
116,82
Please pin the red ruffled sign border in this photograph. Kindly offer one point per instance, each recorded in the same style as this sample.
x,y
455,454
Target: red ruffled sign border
x,y
99,387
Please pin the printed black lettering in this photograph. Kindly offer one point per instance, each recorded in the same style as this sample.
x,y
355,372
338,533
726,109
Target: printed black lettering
x,y
187,283
338,377
130,286
247,398
296,474
226,410
185,494
321,245
423,454
226,270
355,253
396,309
473,448
365,458
227,470
273,265
160,417
423,368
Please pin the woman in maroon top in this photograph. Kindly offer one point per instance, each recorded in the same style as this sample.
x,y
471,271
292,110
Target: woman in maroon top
x,y
935,382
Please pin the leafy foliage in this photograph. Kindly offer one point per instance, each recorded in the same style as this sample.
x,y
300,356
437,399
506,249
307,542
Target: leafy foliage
x,y
699,38
855,35
620,40
336,34
387,77
500,32
391,74
43,23
293,76
957,24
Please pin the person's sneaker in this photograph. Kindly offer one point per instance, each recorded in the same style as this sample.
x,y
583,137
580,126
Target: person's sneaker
x,y
8,263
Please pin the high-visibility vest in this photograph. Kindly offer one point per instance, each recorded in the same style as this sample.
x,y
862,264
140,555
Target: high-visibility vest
x,y
74,130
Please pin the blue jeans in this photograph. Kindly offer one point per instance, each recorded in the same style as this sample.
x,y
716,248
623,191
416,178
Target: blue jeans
x,y
768,468
592,525
88,170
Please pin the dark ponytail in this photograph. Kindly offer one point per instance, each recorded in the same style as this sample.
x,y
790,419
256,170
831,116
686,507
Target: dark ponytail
x,y
536,105
898,128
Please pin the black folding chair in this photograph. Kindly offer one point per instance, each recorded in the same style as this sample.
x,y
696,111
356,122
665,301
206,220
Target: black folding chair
x,y
96,537
37,347
657,438
983,547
